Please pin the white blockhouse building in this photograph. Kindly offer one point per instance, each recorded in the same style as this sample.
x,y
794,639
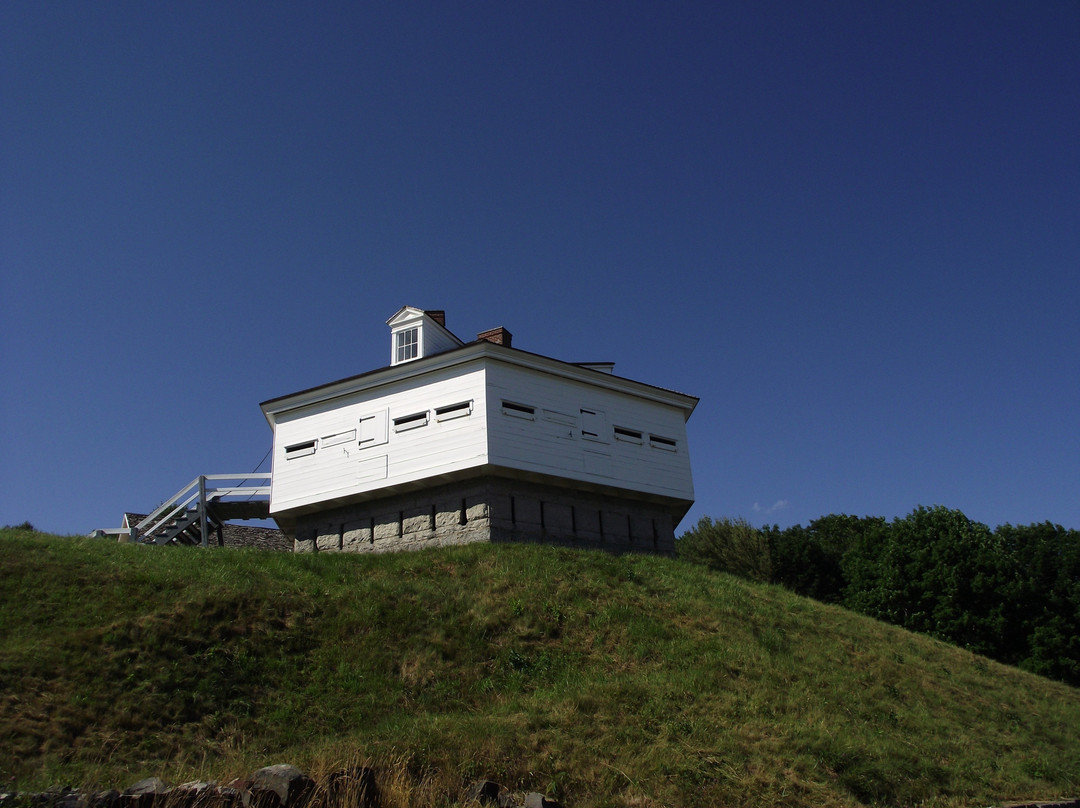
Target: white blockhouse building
x,y
457,442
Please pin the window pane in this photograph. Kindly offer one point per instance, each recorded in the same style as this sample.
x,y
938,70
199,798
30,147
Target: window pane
x,y
407,344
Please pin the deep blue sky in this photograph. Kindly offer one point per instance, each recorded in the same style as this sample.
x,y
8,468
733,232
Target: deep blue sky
x,y
851,228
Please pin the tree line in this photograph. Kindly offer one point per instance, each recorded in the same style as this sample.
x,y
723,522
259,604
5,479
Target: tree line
x,y
1012,593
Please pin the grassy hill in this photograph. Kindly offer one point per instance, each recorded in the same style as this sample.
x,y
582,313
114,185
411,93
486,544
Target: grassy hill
x,y
602,680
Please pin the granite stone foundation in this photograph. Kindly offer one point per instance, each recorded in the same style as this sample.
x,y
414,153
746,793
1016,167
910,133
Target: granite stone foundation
x,y
490,510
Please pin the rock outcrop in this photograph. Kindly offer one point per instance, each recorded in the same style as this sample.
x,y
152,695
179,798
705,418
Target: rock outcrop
x,y
279,786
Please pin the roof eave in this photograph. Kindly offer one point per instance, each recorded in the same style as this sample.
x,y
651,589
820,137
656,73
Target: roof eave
x,y
469,352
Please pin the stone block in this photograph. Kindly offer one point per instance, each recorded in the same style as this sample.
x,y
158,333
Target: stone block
x,y
416,520
145,793
357,534
328,541
446,520
196,794
280,786
641,530
476,509
536,800
498,508
616,527
386,527
109,798
526,510
558,519
587,520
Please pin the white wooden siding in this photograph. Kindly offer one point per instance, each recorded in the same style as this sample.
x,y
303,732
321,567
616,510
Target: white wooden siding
x,y
572,434
473,413
435,340
380,455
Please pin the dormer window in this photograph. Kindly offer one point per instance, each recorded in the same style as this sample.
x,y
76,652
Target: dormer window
x,y
407,345
418,334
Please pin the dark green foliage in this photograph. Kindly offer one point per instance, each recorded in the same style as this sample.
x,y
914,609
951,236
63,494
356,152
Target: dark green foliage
x,y
934,571
1042,599
728,545
1012,594
810,560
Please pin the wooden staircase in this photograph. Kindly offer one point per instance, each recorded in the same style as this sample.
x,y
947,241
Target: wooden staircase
x,y
199,510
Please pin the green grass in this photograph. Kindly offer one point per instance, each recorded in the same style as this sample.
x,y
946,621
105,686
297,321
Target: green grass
x,y
599,679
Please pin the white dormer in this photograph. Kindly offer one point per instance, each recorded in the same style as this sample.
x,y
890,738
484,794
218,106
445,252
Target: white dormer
x,y
415,333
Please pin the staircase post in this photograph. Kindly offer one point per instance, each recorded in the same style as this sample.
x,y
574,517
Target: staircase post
x,y
202,511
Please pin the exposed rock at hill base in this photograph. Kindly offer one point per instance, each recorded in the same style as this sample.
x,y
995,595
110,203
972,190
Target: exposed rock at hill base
x,y
279,786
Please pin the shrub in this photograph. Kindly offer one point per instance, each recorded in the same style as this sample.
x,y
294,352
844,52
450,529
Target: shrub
x,y
727,545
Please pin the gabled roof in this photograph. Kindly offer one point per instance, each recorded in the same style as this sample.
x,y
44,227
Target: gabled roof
x,y
435,318
404,314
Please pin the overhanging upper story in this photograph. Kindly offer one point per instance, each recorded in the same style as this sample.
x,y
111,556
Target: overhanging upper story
x,y
471,409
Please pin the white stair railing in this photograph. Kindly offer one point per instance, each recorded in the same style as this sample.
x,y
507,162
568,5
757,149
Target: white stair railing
x,y
199,493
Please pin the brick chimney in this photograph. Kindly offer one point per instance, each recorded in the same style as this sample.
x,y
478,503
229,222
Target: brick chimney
x,y
500,336
438,315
